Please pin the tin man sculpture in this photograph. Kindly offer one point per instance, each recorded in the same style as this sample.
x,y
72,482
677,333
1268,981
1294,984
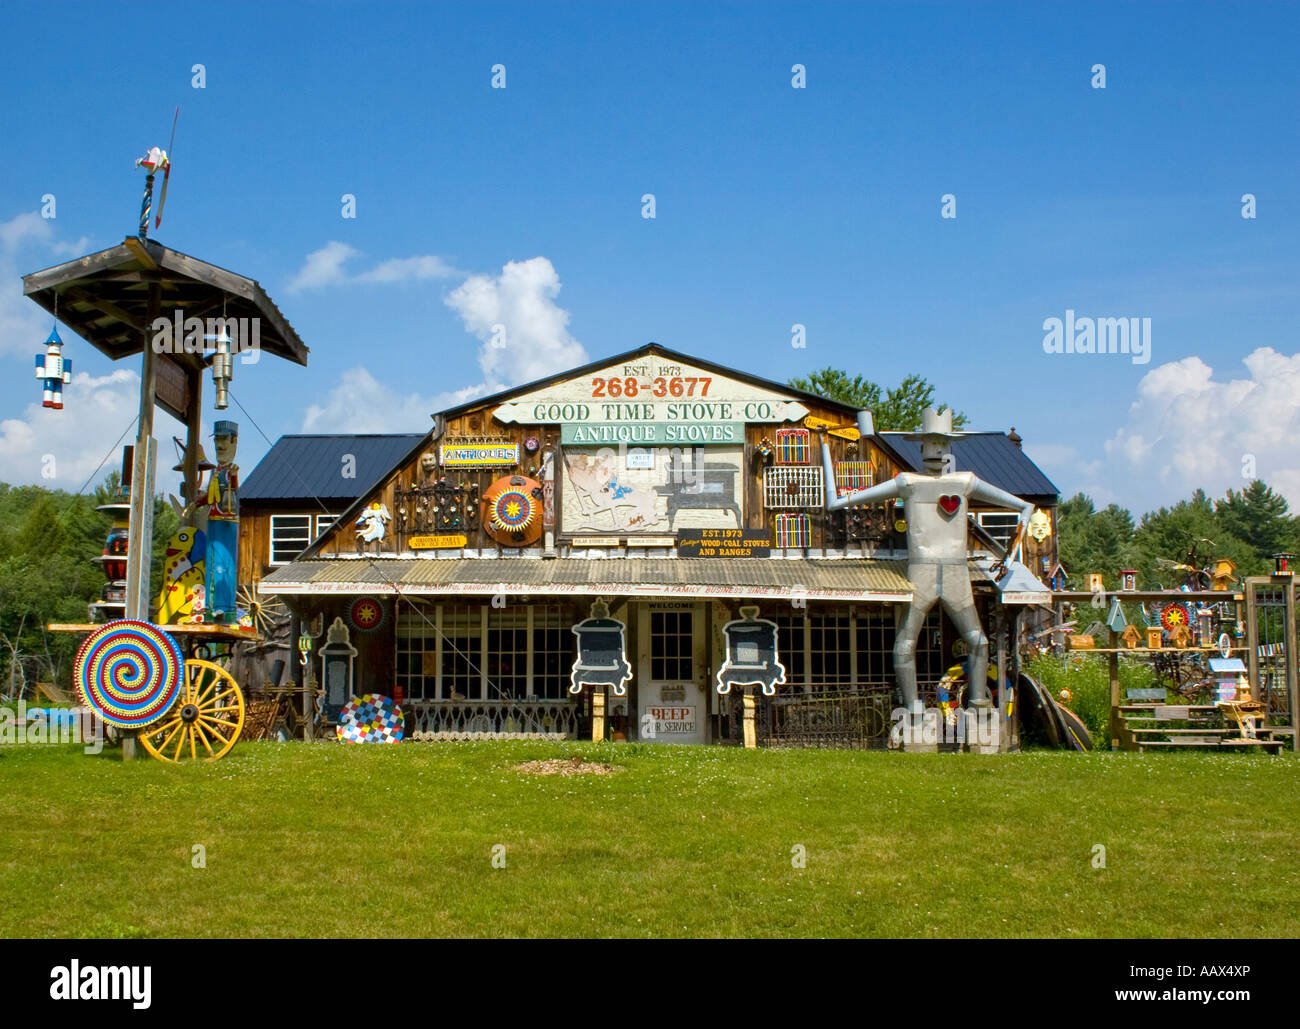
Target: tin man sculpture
x,y
936,504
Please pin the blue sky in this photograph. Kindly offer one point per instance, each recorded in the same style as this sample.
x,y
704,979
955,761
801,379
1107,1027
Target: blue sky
x,y
774,206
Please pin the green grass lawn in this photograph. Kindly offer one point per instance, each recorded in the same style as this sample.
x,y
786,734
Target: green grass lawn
x,y
327,840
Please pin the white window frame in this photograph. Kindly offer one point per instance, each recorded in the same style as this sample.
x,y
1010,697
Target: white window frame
x,y
271,543
994,522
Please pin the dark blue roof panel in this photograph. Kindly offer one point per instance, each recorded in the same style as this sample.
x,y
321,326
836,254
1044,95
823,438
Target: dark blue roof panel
x,y
307,467
993,456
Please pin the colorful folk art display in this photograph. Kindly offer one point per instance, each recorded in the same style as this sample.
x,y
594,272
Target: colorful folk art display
x,y
366,614
793,487
683,488
1040,526
222,504
54,370
793,446
851,476
752,658
793,530
602,652
372,526
129,672
373,718
182,597
1175,614
512,511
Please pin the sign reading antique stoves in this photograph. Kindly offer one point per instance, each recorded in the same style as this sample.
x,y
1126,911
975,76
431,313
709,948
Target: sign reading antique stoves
x,y
651,401
723,543
479,454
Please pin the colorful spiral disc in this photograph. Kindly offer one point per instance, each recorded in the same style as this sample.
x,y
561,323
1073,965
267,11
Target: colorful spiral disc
x,y
371,719
129,672
513,509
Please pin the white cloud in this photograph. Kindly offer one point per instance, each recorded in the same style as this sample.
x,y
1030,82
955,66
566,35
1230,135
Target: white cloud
x,y
73,441
28,239
325,267
407,269
520,301
360,403
1187,430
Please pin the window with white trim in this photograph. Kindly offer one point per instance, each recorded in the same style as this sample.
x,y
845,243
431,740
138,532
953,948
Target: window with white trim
x,y
477,652
323,522
290,535
1001,525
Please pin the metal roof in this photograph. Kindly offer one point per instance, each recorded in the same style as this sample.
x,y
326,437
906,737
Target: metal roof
x,y
993,456
835,579
312,467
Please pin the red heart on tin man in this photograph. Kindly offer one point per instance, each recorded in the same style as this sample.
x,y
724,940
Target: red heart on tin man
x,y
949,502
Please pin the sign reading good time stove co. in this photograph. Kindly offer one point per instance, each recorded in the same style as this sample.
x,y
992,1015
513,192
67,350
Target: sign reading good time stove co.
x,y
651,401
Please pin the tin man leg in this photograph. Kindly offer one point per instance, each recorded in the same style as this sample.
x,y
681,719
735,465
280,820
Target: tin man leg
x,y
961,611
905,643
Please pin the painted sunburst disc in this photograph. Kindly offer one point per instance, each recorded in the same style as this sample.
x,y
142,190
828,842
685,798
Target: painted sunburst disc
x,y
129,672
513,509
371,719
366,614
1174,615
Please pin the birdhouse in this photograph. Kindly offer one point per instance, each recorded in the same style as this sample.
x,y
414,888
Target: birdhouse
x,y
1154,641
1282,564
1128,579
1094,582
1131,636
1205,627
1182,636
1222,574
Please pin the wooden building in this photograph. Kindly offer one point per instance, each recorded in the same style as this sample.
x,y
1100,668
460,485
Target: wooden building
x,y
671,488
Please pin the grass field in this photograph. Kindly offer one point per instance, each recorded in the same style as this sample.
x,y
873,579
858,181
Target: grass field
x,y
327,840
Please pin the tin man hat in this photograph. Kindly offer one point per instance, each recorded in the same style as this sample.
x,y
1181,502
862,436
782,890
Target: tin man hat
x,y
935,426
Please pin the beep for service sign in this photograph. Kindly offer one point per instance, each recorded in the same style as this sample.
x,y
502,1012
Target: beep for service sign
x,y
669,723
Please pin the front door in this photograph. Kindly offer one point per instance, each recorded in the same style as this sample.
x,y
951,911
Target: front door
x,y
672,672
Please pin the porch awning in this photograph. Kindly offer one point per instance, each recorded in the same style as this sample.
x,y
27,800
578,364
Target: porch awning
x,y
859,579
1017,584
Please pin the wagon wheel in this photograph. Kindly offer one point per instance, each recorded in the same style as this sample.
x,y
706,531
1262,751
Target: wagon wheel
x,y
205,721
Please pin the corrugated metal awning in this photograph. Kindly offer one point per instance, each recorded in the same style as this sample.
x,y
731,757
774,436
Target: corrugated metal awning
x,y
860,579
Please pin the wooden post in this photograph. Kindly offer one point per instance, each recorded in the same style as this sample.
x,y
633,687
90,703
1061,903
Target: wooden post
x,y
1252,636
751,730
597,714
193,426
1112,661
140,542
128,747
1292,673
1004,728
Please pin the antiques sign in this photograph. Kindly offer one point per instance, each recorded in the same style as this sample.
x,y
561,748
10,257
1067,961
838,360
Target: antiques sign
x,y
470,454
723,543
651,401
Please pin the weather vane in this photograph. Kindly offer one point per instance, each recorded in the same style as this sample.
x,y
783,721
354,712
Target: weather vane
x,y
154,161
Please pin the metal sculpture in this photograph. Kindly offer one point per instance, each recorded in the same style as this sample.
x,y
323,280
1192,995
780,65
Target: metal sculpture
x,y
936,503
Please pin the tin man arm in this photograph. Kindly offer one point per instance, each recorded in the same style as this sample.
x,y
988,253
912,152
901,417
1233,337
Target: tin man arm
x,y
1001,498
874,494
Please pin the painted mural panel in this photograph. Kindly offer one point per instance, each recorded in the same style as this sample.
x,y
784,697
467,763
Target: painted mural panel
x,y
650,490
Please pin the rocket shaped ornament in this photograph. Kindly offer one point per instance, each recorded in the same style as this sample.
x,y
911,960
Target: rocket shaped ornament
x,y
54,369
